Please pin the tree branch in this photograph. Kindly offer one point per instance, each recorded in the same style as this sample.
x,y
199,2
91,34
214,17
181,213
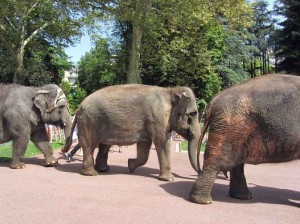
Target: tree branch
x,y
35,32
10,23
31,8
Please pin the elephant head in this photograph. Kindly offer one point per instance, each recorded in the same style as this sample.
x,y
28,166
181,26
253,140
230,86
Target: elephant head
x,y
53,105
184,120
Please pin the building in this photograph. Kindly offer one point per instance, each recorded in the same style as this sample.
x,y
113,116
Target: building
x,y
71,76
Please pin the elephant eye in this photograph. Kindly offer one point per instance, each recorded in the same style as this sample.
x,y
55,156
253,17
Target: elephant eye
x,y
193,114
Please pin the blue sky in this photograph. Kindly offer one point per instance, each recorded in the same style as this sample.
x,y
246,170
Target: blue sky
x,y
77,51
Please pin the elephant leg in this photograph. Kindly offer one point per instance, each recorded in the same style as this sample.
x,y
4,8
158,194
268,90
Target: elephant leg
x,y
143,150
238,184
163,154
102,156
40,139
19,146
88,158
202,187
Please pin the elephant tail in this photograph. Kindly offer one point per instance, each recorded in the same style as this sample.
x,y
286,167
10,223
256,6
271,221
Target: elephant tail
x,y
203,131
69,141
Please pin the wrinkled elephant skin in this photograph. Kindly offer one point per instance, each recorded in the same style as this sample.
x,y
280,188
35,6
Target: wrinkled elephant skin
x,y
141,114
253,122
23,114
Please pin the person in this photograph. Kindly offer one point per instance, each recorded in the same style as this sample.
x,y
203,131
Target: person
x,y
49,132
69,155
57,134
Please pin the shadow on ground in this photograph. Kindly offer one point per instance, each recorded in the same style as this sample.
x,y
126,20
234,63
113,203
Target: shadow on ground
x,y
261,194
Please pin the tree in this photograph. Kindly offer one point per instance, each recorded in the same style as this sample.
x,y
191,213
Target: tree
x,y
56,63
184,49
30,21
236,56
136,14
96,68
140,14
175,54
288,37
263,27
6,66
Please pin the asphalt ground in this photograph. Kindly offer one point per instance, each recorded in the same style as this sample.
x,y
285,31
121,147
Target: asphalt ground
x,y
60,194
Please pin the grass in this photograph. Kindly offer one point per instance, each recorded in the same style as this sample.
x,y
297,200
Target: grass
x,y
32,150
184,146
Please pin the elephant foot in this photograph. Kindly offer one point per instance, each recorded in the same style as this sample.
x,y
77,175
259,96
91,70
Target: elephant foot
x,y
89,172
19,165
247,195
166,177
51,161
200,199
102,168
131,165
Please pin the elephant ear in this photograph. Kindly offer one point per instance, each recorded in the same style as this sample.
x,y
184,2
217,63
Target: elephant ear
x,y
40,100
182,98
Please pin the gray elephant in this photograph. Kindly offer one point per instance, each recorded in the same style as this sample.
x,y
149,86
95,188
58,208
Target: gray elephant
x,y
254,122
134,113
23,114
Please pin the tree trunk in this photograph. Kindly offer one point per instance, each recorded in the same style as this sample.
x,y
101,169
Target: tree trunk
x,y
268,63
134,54
141,11
19,76
264,63
261,66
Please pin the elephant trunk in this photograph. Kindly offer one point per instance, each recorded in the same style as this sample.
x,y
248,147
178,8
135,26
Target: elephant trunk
x,y
68,133
69,129
193,151
192,135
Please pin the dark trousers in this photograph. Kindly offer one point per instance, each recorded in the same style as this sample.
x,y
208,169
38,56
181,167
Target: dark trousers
x,y
75,149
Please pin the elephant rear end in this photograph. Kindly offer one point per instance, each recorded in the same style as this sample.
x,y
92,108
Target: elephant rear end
x,y
258,120
253,122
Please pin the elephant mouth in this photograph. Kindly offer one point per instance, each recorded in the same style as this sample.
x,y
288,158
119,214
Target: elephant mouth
x,y
186,134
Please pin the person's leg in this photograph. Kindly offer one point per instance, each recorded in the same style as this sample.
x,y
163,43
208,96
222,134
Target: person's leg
x,y
75,149
70,155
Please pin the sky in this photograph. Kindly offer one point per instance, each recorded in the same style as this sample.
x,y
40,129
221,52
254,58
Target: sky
x,y
78,50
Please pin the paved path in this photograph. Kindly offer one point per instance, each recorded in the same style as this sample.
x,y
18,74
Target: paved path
x,y
40,195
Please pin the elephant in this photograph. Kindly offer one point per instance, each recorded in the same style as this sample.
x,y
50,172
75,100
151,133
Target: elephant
x,y
24,111
253,122
135,113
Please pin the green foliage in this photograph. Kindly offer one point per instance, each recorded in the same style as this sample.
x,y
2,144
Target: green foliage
x,y
96,68
37,74
262,30
288,37
169,22
184,146
45,65
236,57
27,23
78,94
212,87
66,88
6,67
56,62
178,49
74,95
